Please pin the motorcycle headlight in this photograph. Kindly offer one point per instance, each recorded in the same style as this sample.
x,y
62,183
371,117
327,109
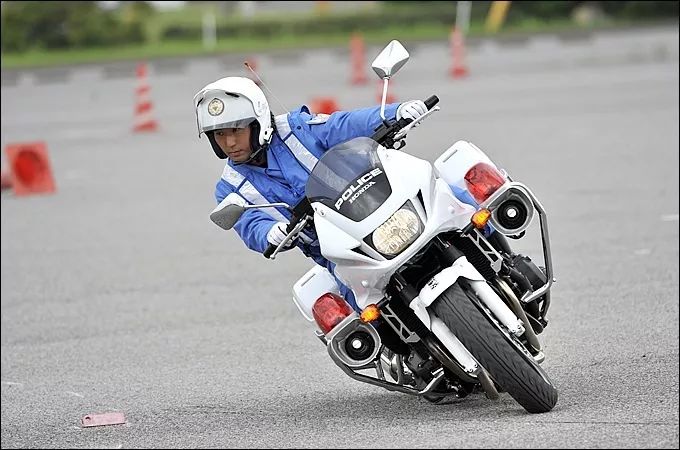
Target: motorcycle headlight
x,y
393,236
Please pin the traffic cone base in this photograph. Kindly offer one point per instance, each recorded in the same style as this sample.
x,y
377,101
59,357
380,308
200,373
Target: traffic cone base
x,y
459,72
146,126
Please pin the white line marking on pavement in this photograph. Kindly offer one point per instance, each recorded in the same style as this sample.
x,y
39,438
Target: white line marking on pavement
x,y
670,217
75,394
643,252
12,383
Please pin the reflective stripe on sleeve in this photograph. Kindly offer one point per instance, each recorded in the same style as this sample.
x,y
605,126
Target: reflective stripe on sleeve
x,y
248,191
251,194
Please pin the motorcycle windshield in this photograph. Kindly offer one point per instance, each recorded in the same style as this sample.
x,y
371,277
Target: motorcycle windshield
x,y
350,179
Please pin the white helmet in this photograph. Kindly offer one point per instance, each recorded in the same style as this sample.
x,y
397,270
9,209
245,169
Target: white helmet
x,y
233,102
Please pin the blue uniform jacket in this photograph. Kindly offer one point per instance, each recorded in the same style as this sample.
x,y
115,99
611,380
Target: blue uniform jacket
x,y
285,177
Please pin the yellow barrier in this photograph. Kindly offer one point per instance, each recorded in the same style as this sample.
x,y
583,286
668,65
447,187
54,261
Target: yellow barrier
x,y
496,17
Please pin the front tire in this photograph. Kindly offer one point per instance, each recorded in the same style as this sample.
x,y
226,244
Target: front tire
x,y
511,367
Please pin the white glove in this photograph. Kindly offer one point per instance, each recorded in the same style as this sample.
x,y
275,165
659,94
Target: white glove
x,y
411,110
277,233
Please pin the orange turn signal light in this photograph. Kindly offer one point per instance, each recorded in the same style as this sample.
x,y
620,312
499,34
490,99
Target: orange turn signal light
x,y
480,218
370,313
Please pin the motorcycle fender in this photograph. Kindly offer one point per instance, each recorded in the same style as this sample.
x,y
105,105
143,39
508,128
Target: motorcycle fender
x,y
421,312
446,278
438,284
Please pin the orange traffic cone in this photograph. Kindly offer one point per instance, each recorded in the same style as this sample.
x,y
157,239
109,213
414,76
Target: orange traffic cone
x,y
324,105
357,56
457,42
31,172
144,120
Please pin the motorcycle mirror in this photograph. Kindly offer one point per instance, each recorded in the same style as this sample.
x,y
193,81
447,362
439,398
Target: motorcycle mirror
x,y
390,60
227,213
386,64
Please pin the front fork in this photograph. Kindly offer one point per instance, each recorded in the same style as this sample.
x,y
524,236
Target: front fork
x,y
513,318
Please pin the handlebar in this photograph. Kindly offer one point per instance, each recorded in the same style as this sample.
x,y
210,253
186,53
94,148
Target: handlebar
x,y
300,211
385,133
271,248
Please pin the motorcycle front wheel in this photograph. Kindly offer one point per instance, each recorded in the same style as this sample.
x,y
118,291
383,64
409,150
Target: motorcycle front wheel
x,y
501,354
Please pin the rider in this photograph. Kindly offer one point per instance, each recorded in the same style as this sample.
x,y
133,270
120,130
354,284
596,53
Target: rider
x,y
269,158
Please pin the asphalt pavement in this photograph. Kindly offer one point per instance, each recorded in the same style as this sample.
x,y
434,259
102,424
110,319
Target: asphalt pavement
x,y
120,295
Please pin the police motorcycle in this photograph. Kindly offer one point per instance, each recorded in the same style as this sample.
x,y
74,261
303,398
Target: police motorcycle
x,y
445,311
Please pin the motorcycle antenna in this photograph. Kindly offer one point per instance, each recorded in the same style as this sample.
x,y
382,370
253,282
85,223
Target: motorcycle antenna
x,y
249,67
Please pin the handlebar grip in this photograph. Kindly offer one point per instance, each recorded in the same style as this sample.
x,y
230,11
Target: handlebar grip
x,y
429,104
270,249
431,101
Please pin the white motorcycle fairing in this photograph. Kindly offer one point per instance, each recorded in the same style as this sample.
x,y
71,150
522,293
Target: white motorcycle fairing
x,y
368,272
312,285
453,164
340,236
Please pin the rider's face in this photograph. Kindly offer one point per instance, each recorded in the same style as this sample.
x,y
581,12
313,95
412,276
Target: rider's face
x,y
235,142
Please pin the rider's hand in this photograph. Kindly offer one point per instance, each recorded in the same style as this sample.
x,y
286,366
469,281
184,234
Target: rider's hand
x,y
412,110
277,233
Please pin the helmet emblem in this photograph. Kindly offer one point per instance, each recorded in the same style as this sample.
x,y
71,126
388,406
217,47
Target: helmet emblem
x,y
215,107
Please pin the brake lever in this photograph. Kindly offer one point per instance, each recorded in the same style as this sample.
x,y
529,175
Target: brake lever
x,y
402,133
289,237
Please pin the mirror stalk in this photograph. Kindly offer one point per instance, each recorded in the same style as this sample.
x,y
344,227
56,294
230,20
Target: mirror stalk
x,y
384,98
